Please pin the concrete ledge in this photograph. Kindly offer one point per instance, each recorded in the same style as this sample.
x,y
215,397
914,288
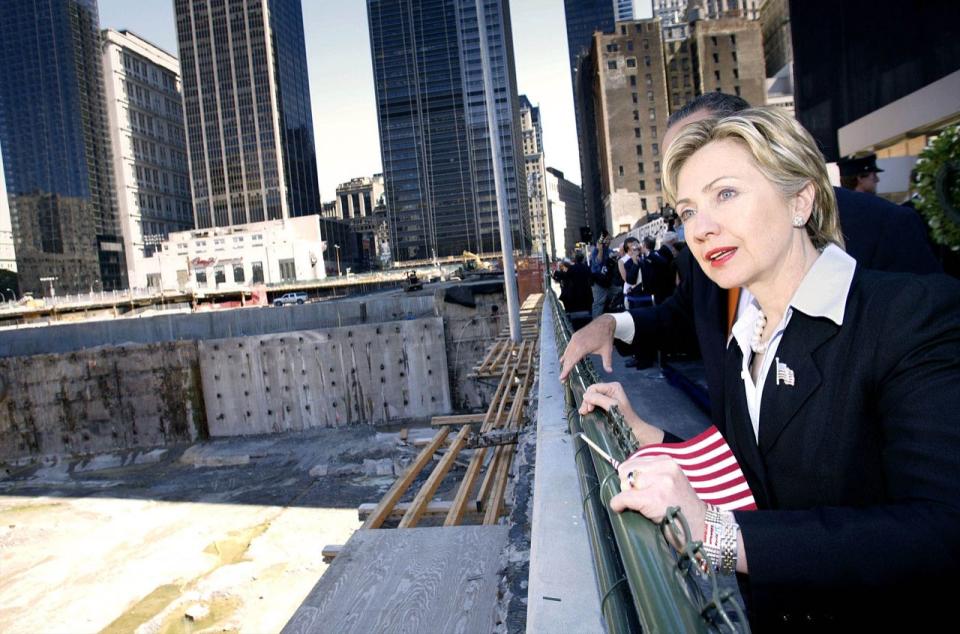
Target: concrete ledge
x,y
562,594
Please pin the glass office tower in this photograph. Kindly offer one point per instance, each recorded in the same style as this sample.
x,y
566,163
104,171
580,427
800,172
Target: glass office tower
x,y
56,148
247,103
435,136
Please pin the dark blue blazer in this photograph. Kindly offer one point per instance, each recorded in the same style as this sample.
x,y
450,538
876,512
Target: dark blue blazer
x,y
879,235
857,469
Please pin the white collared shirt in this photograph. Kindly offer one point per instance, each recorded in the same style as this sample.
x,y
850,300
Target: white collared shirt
x,y
822,293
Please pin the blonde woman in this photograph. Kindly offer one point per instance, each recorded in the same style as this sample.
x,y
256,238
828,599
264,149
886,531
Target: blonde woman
x,y
842,394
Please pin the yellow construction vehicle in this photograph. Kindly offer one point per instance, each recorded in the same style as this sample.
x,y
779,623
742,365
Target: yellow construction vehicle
x,y
472,262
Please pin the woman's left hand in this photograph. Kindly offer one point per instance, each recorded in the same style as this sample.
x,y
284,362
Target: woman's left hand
x,y
658,483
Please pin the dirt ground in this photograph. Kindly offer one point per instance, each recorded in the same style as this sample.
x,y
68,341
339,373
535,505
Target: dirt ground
x,y
219,536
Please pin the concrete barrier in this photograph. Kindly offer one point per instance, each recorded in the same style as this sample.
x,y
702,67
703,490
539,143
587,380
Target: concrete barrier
x,y
202,326
100,400
362,374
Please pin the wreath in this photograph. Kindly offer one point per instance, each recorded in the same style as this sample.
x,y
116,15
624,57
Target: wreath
x,y
938,187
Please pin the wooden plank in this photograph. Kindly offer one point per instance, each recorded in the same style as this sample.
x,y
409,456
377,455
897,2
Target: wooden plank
x,y
419,504
459,505
420,580
436,508
400,487
484,491
330,551
457,419
493,505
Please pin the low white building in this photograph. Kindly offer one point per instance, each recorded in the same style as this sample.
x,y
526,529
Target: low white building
x,y
269,252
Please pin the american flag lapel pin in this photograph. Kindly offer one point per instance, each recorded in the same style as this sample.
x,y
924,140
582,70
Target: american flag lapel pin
x,y
784,373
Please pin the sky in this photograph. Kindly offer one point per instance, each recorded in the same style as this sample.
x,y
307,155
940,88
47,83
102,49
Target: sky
x,y
341,77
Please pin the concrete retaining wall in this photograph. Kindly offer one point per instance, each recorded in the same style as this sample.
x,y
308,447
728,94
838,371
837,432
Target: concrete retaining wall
x,y
210,325
100,400
353,375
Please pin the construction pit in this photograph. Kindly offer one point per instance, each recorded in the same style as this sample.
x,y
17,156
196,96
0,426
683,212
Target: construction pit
x,y
369,474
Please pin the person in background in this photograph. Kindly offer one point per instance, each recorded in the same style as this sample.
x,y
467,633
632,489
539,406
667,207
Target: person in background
x,y
600,287
637,272
860,174
574,279
658,281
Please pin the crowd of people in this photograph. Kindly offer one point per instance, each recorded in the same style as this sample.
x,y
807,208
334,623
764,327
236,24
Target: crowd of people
x,y
611,279
832,354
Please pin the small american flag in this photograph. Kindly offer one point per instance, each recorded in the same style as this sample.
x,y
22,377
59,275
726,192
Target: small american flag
x,y
711,468
784,373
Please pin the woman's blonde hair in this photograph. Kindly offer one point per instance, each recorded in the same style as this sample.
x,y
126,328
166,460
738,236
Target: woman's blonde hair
x,y
782,150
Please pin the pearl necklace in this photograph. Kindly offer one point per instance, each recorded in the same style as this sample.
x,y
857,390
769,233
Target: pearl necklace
x,y
756,345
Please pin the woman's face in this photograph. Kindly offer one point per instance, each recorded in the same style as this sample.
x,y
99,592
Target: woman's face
x,y
736,223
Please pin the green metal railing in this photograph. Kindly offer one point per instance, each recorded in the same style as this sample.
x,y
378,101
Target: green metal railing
x,y
642,579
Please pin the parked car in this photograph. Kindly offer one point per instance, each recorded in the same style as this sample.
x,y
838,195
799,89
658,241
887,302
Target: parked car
x,y
290,298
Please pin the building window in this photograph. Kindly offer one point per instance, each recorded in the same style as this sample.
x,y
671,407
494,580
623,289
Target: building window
x,y
201,278
736,89
612,48
639,150
256,270
636,115
653,114
623,29
716,58
659,187
621,170
733,39
643,203
653,131
656,166
288,270
713,39
716,75
612,64
635,98
636,132
643,185
219,275
238,275
631,62
630,46
656,149
633,80
646,61
736,74
640,167
734,56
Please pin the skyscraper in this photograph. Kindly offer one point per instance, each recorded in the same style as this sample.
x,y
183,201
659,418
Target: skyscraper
x,y
247,104
632,109
145,110
532,131
435,132
56,148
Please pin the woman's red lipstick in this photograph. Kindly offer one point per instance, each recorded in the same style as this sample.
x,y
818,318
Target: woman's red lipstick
x,y
720,256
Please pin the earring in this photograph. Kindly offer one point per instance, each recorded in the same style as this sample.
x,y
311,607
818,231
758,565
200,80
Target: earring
x,y
798,221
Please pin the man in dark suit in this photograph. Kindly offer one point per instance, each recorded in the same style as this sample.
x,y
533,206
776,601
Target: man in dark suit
x,y
879,235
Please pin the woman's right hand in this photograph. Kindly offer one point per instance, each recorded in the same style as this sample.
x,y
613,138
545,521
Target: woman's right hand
x,y
606,396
